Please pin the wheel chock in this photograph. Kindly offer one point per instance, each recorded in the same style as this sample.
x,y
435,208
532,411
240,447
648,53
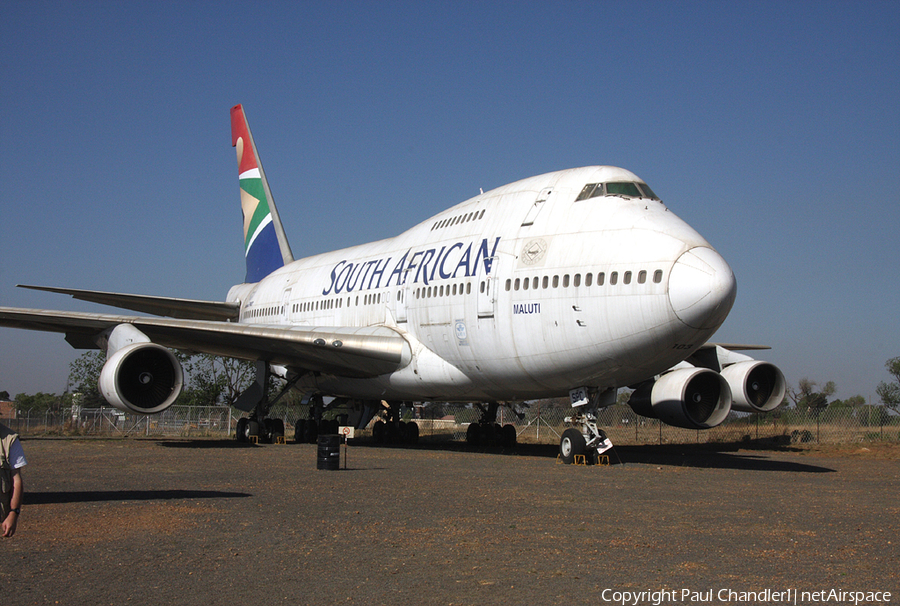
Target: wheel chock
x,y
253,439
279,440
602,460
580,460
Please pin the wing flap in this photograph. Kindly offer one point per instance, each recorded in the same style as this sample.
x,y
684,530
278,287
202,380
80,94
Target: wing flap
x,y
343,351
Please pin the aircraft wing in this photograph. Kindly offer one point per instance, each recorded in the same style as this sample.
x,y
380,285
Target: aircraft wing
x,y
158,306
344,351
734,346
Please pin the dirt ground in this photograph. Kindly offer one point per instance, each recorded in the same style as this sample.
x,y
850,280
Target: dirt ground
x,y
212,522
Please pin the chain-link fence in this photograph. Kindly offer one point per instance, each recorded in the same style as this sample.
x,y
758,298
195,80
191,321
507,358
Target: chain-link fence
x,y
538,423
544,424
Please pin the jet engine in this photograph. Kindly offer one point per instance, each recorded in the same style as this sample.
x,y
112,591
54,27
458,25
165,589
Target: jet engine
x,y
756,386
693,398
143,378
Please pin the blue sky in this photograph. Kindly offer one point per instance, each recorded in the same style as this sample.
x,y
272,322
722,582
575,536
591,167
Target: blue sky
x,y
771,127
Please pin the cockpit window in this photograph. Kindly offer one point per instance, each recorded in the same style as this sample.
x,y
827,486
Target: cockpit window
x,y
648,193
623,189
618,188
591,190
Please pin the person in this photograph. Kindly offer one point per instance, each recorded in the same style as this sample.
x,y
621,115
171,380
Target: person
x,y
12,459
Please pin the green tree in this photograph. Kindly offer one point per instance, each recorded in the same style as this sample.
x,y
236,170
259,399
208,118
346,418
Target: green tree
x,y
851,402
806,398
39,403
84,377
890,392
213,380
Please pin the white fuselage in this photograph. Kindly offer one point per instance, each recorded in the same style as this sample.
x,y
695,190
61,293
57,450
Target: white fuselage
x,y
521,292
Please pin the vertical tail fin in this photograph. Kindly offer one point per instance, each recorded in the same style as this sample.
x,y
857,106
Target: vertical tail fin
x,y
265,244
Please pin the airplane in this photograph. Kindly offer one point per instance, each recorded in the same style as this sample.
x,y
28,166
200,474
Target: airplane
x,y
573,283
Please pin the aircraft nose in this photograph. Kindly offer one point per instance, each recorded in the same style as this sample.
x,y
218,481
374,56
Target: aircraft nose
x,y
702,288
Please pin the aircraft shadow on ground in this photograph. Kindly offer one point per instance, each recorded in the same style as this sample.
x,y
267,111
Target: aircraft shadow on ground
x,y
700,456
718,456
705,456
91,496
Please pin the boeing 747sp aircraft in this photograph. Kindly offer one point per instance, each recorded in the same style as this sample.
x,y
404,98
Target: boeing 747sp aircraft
x,y
577,282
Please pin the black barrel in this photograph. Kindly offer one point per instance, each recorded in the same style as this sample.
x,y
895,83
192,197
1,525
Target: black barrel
x,y
329,452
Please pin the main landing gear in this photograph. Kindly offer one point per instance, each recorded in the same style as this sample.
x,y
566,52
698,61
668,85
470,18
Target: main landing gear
x,y
487,432
257,427
392,430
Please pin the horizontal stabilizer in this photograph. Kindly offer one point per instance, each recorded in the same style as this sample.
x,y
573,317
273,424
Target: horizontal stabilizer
x,y
186,309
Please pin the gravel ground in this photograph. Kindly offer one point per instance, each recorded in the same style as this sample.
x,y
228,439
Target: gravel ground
x,y
213,522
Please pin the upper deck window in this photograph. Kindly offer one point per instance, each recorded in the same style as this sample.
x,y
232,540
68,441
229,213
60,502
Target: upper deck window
x,y
628,189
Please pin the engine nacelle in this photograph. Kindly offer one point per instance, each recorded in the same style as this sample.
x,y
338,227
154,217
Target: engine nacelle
x,y
143,378
756,386
693,398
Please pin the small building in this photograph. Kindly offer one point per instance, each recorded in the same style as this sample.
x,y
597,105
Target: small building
x,y
7,410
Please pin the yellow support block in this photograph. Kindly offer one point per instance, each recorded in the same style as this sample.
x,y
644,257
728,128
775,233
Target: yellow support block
x,y
279,440
254,439
602,460
580,460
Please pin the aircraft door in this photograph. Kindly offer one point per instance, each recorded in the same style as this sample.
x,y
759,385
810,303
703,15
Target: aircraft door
x,y
400,299
487,291
286,305
535,208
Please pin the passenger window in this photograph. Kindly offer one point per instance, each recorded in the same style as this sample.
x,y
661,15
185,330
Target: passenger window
x,y
657,276
614,277
626,279
555,281
588,279
546,281
525,284
566,281
642,276
577,280
534,283
518,281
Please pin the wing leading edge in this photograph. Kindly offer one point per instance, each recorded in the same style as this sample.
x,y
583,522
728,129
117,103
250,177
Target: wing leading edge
x,y
189,309
344,351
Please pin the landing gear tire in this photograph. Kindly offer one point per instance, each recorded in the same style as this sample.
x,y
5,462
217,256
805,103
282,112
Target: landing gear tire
x,y
378,432
241,431
508,436
274,430
252,430
299,430
412,432
473,434
571,444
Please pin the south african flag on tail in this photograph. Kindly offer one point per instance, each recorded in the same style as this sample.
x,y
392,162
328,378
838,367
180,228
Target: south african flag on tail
x,y
265,245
